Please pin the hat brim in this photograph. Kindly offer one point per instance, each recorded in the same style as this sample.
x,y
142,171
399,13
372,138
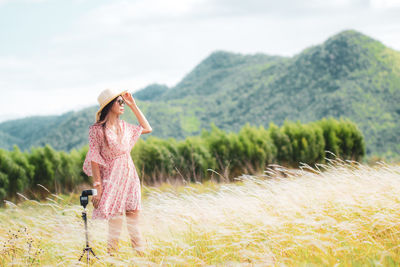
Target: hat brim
x,y
107,102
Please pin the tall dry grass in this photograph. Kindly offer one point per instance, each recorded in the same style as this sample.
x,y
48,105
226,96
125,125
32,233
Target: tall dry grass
x,y
339,214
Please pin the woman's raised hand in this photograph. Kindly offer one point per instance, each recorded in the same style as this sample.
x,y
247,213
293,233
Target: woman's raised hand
x,y
129,99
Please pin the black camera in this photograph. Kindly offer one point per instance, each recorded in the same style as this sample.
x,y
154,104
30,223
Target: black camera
x,y
85,196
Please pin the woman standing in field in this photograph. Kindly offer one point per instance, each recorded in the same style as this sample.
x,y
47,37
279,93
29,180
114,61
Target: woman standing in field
x,y
109,162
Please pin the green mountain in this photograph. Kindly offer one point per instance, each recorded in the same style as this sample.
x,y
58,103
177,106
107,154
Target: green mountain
x,y
151,92
24,132
350,75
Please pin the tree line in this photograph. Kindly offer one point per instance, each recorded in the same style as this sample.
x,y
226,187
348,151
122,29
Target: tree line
x,y
213,154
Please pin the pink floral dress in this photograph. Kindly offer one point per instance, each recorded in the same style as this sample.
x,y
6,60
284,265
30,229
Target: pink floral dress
x,y
119,179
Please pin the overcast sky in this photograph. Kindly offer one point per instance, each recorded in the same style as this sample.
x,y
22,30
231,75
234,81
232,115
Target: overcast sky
x,y
58,55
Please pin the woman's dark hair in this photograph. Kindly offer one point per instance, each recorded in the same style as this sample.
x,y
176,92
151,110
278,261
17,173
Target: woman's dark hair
x,y
105,111
103,115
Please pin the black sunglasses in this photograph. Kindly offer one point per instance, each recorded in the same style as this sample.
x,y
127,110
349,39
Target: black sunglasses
x,y
120,101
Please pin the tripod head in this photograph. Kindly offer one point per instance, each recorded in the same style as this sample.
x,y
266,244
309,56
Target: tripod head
x,y
84,198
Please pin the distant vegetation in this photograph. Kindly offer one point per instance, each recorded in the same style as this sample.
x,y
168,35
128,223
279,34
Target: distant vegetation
x,y
349,76
213,155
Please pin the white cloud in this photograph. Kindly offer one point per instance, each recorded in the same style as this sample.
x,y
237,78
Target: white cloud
x,y
3,2
12,62
130,44
385,4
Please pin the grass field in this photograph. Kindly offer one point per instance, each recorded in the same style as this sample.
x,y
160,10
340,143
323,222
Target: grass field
x,y
340,214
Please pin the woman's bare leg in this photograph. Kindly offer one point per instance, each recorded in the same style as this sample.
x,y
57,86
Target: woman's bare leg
x,y
132,223
114,230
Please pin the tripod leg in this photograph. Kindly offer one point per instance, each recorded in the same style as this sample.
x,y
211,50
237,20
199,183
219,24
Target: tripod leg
x,y
88,256
87,249
83,253
93,253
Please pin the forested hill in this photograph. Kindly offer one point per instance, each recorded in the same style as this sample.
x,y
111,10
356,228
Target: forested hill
x,y
350,75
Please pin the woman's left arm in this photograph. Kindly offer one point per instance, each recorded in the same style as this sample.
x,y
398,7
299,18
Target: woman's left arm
x,y
138,113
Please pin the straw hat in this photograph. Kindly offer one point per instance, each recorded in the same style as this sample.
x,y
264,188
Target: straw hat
x,y
106,97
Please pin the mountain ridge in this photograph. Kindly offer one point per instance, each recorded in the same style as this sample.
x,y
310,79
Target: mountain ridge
x,y
349,75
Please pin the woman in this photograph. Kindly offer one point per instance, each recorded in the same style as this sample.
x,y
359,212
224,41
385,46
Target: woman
x,y
109,162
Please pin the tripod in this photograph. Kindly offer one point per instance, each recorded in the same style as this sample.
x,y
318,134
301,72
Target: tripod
x,y
87,249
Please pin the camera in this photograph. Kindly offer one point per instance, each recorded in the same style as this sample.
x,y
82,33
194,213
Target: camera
x,y
85,196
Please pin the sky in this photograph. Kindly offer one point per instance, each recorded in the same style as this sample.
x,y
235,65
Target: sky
x,y
58,55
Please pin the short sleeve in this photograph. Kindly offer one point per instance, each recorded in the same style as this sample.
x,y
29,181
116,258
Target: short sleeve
x,y
93,153
134,132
